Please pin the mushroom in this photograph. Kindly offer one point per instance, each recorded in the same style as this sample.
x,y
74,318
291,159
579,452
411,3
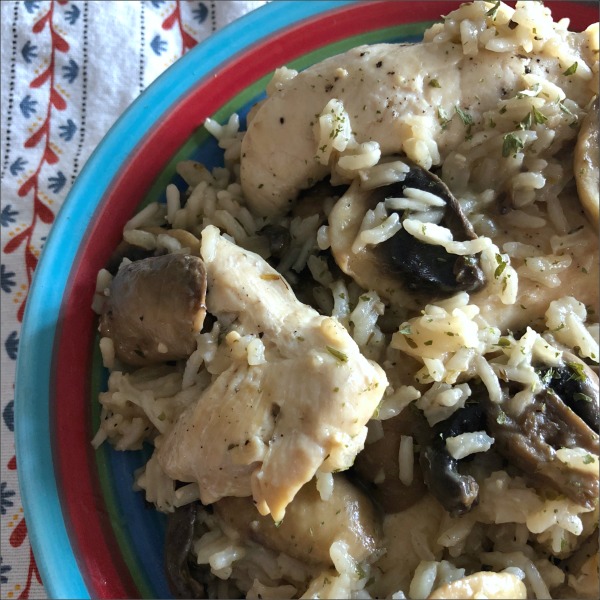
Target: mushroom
x,y
311,525
586,163
403,269
531,441
179,564
577,385
456,492
377,465
155,308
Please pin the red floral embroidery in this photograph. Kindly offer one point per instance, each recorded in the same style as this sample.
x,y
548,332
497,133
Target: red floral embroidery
x,y
187,40
41,211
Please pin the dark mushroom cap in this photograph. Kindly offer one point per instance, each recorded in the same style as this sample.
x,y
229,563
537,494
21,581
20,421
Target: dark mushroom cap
x,y
403,270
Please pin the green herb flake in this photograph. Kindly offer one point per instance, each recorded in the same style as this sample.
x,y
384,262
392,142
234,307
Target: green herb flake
x,y
571,70
588,459
503,342
583,397
465,117
577,370
501,419
539,117
501,266
434,83
443,118
493,11
511,145
405,329
411,342
526,122
341,356
428,342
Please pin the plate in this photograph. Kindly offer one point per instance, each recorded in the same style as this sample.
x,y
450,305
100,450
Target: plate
x,y
92,535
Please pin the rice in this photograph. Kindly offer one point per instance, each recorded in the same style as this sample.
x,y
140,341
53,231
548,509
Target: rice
x,y
439,356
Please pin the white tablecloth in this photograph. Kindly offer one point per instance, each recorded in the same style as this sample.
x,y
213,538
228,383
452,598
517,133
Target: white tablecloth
x,y
69,69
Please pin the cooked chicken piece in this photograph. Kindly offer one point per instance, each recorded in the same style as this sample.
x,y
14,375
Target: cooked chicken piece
x,y
264,430
311,525
380,87
482,585
155,308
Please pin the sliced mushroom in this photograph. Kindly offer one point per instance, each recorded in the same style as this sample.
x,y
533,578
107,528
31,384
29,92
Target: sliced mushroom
x,y
577,386
155,308
179,565
531,439
378,464
311,524
456,492
586,163
403,269
482,585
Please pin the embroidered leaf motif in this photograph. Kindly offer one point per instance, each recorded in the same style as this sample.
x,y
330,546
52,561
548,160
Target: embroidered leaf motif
x,y
72,15
8,414
27,186
158,45
35,138
39,25
57,100
41,79
27,106
188,41
200,13
57,183
5,494
18,166
31,6
28,52
67,131
59,42
4,569
8,215
12,345
71,71
43,212
157,3
170,20
15,242
7,279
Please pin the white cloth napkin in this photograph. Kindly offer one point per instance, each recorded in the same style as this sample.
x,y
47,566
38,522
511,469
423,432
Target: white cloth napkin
x,y
69,69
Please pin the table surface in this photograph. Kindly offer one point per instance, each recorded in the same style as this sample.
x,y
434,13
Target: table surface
x,y
62,88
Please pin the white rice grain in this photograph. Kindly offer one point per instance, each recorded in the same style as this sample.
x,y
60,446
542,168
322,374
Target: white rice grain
x,y
406,460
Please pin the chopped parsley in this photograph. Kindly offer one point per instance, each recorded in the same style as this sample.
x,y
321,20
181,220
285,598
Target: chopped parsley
x,y
539,117
588,459
465,117
578,371
571,70
434,83
341,356
443,118
511,145
501,419
493,11
501,266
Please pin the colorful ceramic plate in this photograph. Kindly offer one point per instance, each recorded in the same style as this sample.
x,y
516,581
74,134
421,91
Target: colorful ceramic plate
x,y
92,535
